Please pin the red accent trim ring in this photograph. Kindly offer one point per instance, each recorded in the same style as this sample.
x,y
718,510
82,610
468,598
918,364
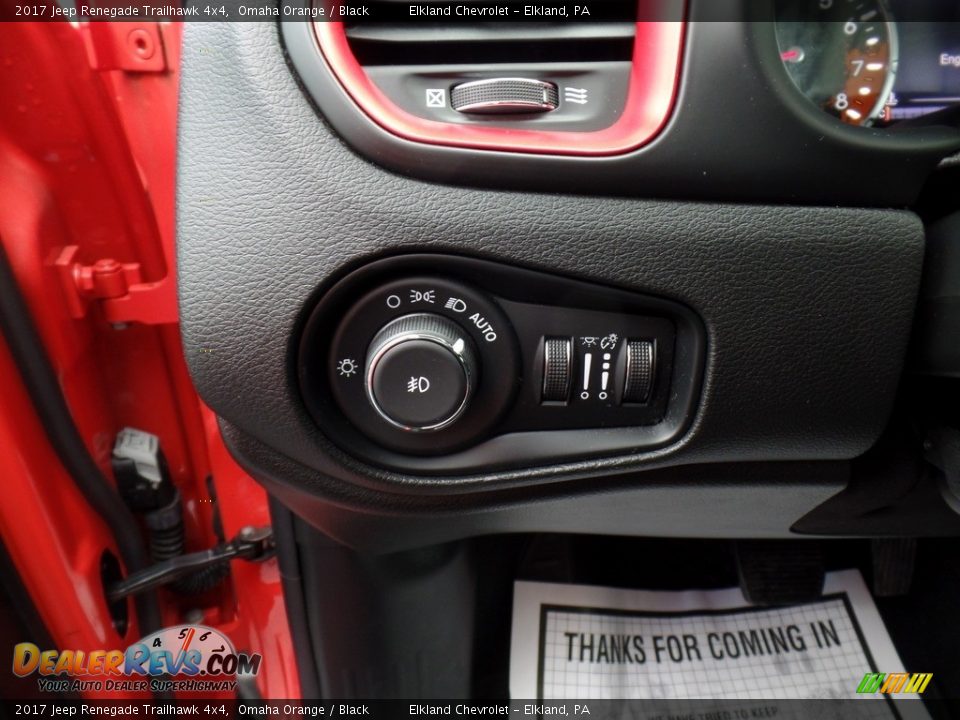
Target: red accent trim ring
x,y
650,96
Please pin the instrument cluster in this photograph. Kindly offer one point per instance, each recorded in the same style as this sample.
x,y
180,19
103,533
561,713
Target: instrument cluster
x,y
872,62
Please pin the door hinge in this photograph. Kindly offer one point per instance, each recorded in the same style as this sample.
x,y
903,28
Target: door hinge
x,y
119,288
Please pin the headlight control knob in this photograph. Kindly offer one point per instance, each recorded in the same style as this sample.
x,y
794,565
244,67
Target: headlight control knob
x,y
421,371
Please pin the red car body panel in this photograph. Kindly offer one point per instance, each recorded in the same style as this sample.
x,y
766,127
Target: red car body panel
x,y
87,166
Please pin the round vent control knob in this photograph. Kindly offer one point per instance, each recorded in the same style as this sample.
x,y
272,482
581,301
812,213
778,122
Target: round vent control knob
x,y
421,372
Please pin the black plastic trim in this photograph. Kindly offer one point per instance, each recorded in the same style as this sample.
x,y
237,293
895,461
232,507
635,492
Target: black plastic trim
x,y
290,560
935,346
21,621
732,500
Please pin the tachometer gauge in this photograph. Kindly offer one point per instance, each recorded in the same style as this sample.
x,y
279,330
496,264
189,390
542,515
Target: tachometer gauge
x,y
842,54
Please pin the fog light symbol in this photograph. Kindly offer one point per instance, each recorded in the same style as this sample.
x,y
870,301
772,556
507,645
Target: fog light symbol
x,y
418,384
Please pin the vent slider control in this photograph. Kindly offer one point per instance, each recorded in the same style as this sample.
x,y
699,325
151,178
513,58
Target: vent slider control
x,y
504,96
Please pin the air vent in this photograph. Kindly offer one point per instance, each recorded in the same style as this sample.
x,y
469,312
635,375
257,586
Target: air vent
x,y
610,79
428,42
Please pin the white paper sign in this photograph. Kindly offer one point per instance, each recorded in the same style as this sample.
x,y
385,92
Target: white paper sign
x,y
578,642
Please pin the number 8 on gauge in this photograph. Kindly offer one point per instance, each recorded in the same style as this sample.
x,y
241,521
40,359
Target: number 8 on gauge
x,y
841,54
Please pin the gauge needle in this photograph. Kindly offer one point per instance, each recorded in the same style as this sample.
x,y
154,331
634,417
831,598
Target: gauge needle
x,y
184,647
794,54
186,642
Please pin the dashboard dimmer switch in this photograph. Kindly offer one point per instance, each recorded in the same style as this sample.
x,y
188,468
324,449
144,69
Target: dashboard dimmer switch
x,y
557,369
638,382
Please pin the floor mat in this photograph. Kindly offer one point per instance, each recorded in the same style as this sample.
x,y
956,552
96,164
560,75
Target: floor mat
x,y
581,642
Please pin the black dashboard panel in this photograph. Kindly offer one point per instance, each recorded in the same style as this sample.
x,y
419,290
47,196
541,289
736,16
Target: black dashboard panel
x,y
806,309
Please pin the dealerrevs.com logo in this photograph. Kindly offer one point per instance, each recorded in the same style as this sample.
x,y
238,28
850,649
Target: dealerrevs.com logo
x,y
182,658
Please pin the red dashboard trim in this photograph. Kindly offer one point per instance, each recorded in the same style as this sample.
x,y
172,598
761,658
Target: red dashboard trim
x,y
651,94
